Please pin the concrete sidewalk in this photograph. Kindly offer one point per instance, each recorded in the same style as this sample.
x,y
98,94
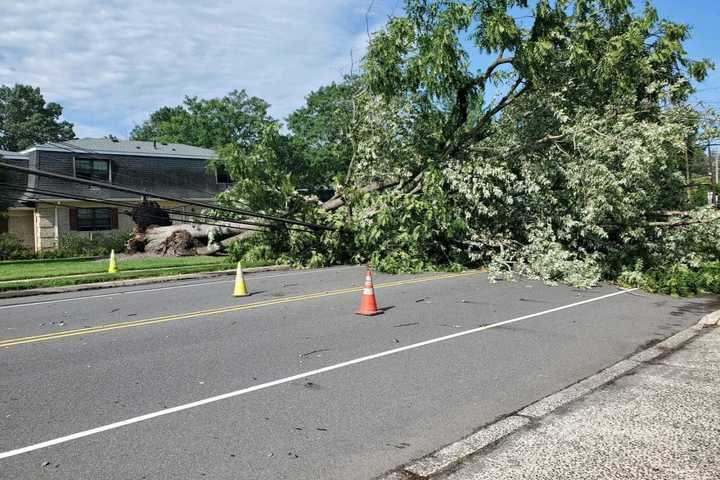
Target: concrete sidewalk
x,y
661,421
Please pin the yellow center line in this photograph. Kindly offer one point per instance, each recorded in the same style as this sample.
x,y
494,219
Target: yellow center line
x,y
218,311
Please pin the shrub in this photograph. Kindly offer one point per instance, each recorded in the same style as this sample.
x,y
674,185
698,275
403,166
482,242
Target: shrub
x,y
73,245
11,248
675,279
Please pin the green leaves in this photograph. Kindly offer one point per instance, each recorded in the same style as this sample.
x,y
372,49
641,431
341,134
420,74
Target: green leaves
x,y
235,119
25,119
557,176
322,132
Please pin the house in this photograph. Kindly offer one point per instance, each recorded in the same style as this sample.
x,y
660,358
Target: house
x,y
40,216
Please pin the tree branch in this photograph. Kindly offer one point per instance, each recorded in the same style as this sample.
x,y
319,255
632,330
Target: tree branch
x,y
476,132
460,110
339,199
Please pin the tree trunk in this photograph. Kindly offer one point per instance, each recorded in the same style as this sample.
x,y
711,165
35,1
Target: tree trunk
x,y
339,200
184,239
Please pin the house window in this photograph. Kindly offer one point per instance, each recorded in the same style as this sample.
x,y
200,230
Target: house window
x,y
222,175
92,169
91,219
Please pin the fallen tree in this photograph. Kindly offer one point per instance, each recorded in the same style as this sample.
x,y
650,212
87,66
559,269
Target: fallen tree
x,y
558,175
552,160
186,238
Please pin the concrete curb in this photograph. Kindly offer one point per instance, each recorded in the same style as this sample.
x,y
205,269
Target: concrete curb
x,y
135,281
446,459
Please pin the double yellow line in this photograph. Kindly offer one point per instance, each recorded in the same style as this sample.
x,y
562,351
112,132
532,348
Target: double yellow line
x,y
11,342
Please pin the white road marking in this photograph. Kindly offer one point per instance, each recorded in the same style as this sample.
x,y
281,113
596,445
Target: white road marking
x,y
299,376
157,289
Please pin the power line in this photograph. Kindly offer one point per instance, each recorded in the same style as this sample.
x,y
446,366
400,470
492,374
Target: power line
x,y
101,201
145,194
249,228
73,148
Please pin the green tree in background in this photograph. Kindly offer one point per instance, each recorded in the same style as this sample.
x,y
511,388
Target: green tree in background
x,y
236,119
26,119
322,129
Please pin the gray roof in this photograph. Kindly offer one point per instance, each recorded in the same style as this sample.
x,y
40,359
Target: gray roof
x,y
13,155
126,147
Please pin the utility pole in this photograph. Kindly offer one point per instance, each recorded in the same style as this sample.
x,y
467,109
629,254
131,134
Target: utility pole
x,y
715,184
713,198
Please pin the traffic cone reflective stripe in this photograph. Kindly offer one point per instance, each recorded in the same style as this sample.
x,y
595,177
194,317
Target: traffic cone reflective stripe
x,y
368,305
112,268
240,288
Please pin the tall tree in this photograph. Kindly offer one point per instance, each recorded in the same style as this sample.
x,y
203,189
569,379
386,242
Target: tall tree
x,y
236,118
542,136
322,129
26,119
593,52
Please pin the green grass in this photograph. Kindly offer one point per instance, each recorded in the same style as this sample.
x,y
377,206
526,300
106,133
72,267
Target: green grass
x,y
75,267
181,266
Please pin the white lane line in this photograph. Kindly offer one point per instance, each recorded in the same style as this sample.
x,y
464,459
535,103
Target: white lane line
x,y
299,376
157,289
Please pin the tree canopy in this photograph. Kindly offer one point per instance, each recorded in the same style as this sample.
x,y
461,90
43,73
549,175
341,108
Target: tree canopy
x,y
593,52
322,129
551,138
26,119
546,139
236,118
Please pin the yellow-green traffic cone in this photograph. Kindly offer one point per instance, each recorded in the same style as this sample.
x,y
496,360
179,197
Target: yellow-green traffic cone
x,y
112,268
240,288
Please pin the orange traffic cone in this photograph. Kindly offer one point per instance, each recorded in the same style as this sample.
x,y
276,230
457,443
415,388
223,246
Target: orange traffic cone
x,y
368,305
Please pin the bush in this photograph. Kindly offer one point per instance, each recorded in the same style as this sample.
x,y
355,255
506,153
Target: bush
x,y
675,279
73,245
11,248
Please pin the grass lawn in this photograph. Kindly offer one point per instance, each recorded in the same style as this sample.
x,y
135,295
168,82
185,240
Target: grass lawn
x,y
35,275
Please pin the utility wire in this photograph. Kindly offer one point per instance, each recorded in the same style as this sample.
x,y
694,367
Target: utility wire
x,y
145,194
100,201
251,229
73,148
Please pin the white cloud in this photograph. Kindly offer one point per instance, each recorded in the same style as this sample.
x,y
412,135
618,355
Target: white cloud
x,y
111,62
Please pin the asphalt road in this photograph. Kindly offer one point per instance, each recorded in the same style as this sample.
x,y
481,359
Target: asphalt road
x,y
184,381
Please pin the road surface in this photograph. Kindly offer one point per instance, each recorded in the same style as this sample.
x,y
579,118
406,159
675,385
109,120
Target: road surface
x,y
184,381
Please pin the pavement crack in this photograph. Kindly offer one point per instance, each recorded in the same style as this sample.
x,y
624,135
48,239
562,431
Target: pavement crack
x,y
406,324
319,350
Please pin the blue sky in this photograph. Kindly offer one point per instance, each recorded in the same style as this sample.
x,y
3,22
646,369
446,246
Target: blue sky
x,y
112,62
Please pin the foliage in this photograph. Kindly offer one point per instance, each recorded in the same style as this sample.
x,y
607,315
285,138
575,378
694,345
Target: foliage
x,y
594,51
266,176
236,119
699,195
675,278
25,119
74,245
321,130
555,160
71,245
11,248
